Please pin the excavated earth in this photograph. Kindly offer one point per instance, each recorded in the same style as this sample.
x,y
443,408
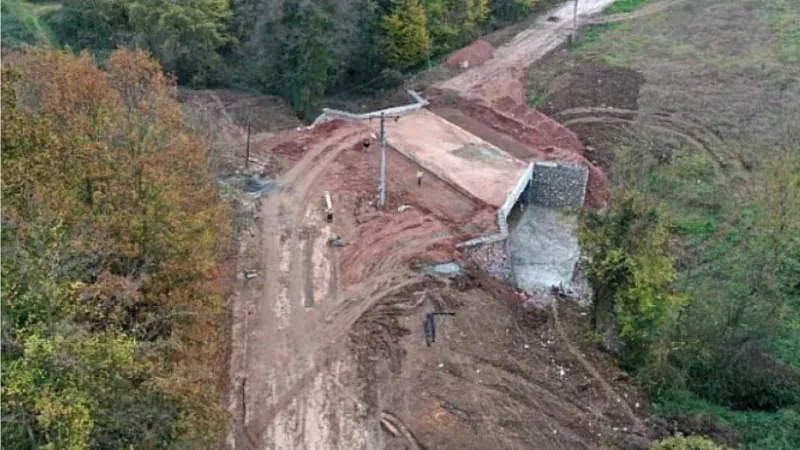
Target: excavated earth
x,y
329,349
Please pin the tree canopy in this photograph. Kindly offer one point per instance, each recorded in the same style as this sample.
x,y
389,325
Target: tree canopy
x,y
301,51
113,236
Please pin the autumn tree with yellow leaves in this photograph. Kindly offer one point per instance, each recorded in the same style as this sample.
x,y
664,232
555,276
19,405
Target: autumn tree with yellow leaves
x,y
113,236
406,41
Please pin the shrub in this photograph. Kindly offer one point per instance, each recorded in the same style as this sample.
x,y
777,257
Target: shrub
x,y
687,443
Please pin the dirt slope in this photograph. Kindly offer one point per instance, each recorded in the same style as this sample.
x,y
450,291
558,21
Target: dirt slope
x,y
353,370
502,76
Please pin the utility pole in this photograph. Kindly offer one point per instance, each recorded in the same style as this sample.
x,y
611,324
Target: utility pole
x,y
575,22
382,185
247,150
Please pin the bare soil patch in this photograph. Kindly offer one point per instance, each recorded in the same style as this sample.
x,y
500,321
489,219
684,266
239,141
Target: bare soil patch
x,y
588,88
265,113
353,370
594,84
472,55
497,376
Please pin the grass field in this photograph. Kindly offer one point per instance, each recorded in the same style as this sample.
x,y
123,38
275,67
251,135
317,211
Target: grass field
x,y
27,22
720,98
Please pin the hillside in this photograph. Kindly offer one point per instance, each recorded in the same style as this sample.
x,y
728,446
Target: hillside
x,y
28,22
694,106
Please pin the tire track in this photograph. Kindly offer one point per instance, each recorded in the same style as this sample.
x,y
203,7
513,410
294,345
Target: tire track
x,y
691,131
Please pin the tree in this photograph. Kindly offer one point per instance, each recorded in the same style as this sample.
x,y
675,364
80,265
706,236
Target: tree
x,y
186,36
305,57
512,10
112,245
631,273
405,41
100,25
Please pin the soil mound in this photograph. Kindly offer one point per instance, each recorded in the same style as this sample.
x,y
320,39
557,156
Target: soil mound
x,y
594,85
544,138
473,55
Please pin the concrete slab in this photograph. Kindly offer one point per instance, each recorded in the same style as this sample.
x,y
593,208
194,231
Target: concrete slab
x,y
543,249
456,156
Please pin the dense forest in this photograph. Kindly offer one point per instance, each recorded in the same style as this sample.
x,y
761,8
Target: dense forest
x,y
299,50
113,242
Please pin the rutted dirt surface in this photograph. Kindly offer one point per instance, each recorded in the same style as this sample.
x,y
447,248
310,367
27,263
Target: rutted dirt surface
x,y
502,76
329,348
353,370
599,102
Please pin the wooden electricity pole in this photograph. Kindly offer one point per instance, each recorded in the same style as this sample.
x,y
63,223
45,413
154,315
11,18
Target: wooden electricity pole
x,y
575,22
247,150
382,185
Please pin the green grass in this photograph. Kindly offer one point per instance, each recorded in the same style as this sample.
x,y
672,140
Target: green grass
x,y
785,14
537,99
704,60
760,430
624,6
26,22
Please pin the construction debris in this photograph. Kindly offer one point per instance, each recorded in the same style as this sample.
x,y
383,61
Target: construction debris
x,y
336,241
328,207
429,326
394,426
250,274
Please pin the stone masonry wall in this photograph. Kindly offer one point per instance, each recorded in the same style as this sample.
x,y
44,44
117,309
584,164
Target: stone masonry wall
x,y
558,185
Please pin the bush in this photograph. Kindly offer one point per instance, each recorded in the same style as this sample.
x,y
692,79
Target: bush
x,y
14,32
687,443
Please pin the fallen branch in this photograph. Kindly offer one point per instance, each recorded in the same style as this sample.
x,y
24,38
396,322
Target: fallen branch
x,y
394,426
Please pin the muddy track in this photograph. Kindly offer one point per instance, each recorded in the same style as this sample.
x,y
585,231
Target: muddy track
x,y
501,76
291,350
609,391
682,126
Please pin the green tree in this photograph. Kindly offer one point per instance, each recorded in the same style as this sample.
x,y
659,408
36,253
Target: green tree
x,y
631,273
512,10
441,29
99,25
405,42
184,35
305,57
112,245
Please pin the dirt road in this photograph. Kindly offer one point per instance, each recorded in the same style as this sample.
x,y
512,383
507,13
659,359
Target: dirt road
x,y
502,76
353,371
327,347
293,376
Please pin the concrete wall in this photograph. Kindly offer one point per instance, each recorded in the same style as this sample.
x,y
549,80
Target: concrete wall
x,y
548,184
513,197
331,114
558,185
502,213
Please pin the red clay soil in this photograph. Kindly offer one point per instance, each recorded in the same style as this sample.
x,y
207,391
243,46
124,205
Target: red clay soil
x,y
473,55
544,138
434,216
433,219
316,377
